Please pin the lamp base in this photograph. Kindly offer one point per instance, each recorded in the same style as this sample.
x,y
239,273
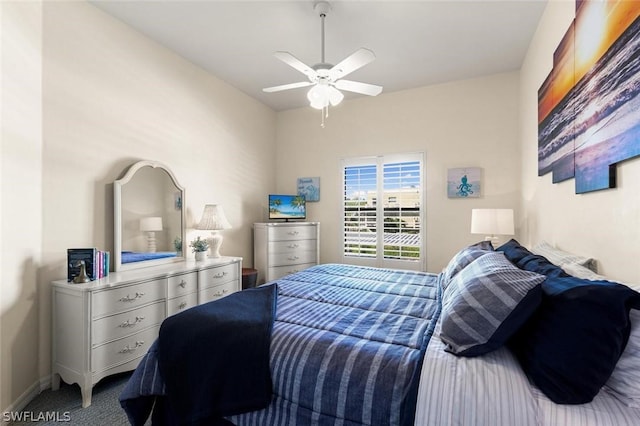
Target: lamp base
x,y
151,242
216,243
494,240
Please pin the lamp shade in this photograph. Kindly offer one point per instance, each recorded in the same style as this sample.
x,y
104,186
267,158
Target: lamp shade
x,y
492,221
151,224
213,218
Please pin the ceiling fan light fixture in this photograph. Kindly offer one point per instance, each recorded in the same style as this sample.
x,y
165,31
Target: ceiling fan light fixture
x,y
321,95
335,96
318,96
327,78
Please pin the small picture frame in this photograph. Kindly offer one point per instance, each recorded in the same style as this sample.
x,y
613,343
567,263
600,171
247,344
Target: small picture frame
x,y
310,188
464,182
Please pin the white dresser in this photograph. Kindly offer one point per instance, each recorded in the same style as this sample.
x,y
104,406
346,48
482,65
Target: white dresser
x,y
104,327
282,248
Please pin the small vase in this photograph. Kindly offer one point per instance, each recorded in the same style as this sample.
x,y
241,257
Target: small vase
x,y
201,255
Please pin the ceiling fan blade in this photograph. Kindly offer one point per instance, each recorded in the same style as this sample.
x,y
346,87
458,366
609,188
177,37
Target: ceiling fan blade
x,y
287,86
357,87
296,63
357,59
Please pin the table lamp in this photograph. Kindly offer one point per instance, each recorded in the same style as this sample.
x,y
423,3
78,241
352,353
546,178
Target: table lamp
x,y
214,219
492,222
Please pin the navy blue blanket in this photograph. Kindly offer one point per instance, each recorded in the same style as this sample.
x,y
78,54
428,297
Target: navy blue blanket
x,y
214,361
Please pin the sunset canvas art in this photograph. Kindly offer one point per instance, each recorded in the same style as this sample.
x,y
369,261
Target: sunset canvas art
x,y
589,105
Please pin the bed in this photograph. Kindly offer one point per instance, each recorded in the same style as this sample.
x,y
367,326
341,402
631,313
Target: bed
x,y
367,346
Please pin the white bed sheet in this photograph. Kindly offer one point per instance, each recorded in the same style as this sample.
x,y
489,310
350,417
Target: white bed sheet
x,y
492,390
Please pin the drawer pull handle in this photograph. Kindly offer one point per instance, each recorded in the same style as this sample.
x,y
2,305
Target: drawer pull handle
x,y
182,305
221,293
293,271
293,258
183,284
128,323
220,275
293,246
127,349
131,299
293,232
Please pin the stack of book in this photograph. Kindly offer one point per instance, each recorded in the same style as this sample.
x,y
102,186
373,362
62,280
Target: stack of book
x,y
96,262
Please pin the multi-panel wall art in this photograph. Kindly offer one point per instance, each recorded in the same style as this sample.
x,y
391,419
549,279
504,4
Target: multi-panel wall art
x,y
589,105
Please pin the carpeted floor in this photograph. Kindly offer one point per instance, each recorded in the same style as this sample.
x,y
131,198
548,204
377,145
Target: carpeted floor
x,y
64,406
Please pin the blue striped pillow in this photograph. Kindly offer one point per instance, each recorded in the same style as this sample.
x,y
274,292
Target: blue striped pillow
x,y
486,303
463,258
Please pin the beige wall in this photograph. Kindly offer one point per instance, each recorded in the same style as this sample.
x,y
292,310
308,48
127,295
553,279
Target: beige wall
x,y
109,97
21,209
605,224
472,123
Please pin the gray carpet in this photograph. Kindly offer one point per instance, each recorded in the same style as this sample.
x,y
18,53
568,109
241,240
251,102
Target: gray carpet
x,y
67,403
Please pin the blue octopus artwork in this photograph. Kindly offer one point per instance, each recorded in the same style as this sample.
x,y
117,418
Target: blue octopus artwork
x,y
465,188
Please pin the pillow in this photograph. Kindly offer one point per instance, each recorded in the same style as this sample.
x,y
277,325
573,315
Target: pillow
x,y
580,271
624,382
524,259
486,303
570,346
461,259
561,257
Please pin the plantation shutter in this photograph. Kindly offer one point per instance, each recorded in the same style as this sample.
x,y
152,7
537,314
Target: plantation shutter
x,y
383,211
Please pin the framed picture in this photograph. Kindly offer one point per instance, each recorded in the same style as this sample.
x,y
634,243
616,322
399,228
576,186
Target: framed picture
x,y
310,188
464,182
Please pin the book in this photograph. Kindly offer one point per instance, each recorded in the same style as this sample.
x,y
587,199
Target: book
x,y
75,255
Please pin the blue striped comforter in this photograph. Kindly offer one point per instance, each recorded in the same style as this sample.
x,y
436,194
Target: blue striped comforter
x,y
347,346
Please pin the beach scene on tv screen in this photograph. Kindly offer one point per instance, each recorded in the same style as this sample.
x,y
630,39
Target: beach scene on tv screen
x,y
286,207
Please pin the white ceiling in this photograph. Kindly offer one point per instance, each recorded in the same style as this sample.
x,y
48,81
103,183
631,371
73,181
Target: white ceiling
x,y
417,43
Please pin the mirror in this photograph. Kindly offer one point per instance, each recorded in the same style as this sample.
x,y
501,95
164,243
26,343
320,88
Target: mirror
x,y
149,217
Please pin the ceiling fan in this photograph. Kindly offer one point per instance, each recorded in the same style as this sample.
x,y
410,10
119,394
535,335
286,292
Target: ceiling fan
x,y
326,78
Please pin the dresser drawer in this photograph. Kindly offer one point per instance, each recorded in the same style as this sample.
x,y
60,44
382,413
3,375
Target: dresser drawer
x,y
125,323
218,292
126,297
292,246
287,233
182,284
280,259
123,350
281,271
181,303
218,275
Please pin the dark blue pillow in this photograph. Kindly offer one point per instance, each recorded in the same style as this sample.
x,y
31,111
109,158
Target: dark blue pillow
x,y
524,259
570,346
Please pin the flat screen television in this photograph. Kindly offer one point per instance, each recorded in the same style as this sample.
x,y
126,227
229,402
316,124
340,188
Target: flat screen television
x,y
287,207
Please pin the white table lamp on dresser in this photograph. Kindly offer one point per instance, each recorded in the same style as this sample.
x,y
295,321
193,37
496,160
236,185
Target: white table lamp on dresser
x,y
214,220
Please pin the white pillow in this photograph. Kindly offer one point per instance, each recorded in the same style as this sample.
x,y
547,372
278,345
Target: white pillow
x,y
580,271
561,257
624,382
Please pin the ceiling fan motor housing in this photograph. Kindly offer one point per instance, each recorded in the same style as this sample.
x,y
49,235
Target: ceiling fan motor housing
x,y
322,7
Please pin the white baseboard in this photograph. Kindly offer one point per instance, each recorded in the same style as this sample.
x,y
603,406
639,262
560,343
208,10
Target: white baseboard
x,y
27,396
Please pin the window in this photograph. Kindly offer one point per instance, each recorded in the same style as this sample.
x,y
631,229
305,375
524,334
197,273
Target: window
x,y
388,232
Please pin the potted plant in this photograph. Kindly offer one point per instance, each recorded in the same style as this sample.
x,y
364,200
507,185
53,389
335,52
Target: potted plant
x,y
177,243
199,247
